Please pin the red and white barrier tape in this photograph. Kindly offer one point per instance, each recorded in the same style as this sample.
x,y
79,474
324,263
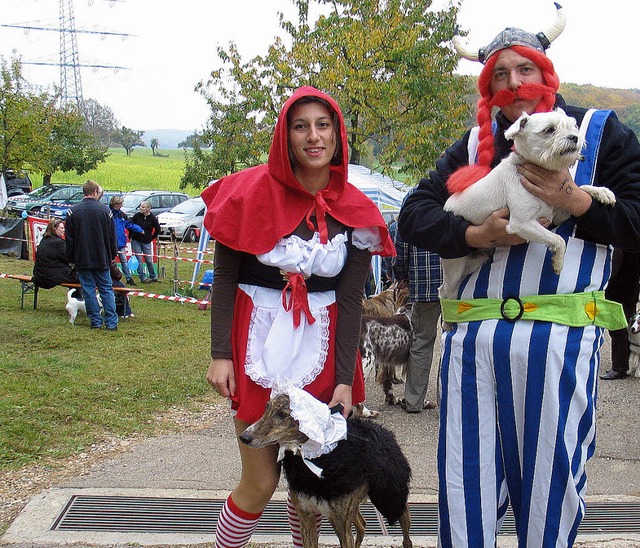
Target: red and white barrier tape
x,y
135,293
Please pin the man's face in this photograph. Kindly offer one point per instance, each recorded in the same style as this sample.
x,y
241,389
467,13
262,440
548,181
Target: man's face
x,y
510,72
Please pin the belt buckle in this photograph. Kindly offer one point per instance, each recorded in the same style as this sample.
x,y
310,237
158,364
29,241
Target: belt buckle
x,y
503,305
286,275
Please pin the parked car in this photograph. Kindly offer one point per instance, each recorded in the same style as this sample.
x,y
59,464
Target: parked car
x,y
17,184
160,200
61,209
185,220
41,197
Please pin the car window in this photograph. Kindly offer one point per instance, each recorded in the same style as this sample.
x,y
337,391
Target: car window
x,y
154,201
189,207
131,201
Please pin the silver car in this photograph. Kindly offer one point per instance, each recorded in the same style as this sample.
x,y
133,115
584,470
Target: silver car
x,y
185,220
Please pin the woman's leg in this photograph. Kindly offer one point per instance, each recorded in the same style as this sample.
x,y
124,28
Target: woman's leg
x,y
136,248
148,257
122,255
258,481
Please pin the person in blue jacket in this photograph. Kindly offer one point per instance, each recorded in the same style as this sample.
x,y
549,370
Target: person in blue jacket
x,y
122,223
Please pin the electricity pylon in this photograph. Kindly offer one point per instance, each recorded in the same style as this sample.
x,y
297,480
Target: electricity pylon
x,y
70,78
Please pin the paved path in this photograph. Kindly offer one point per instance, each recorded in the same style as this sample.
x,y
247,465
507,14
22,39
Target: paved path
x,y
203,464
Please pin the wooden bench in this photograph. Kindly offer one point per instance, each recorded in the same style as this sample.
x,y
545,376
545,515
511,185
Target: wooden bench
x,y
27,285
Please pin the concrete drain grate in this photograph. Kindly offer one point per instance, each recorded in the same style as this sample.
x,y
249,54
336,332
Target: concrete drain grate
x,y
198,516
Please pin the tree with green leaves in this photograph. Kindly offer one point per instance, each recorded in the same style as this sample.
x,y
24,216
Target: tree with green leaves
x,y
154,144
38,135
70,147
101,121
388,64
128,138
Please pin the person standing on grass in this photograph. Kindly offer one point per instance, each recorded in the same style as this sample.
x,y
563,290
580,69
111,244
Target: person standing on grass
x,y
91,246
123,223
141,242
293,248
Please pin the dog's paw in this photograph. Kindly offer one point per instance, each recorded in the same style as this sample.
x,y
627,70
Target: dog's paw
x,y
600,194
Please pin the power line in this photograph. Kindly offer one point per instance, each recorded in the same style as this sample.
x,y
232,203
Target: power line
x,y
76,31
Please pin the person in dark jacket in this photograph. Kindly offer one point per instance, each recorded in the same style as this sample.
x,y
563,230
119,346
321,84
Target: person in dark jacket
x,y
141,243
51,266
520,364
122,223
624,287
91,246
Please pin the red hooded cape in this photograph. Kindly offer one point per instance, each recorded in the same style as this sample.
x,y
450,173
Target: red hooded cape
x,y
251,210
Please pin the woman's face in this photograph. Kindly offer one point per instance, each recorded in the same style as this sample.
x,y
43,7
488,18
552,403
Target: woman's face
x,y
312,137
59,230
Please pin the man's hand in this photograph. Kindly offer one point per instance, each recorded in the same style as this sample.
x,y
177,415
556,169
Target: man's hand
x,y
493,232
555,188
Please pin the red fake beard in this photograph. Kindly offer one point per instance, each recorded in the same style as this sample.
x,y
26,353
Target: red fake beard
x,y
526,91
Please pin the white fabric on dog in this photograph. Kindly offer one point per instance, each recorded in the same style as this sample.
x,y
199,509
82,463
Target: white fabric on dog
x,y
316,421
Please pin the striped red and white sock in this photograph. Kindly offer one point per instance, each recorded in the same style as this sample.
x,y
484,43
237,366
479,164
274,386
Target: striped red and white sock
x,y
235,526
294,523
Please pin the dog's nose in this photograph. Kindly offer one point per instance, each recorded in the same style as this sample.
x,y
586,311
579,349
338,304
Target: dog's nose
x,y
245,438
573,138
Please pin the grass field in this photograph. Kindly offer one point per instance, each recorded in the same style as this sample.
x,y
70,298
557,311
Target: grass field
x,y
64,387
140,171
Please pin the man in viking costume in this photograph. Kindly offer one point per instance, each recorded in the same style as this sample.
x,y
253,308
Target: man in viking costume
x,y
519,367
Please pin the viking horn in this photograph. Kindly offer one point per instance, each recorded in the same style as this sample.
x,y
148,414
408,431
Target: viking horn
x,y
462,51
556,30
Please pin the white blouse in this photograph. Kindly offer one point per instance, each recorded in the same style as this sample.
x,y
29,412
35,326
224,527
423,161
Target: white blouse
x,y
276,351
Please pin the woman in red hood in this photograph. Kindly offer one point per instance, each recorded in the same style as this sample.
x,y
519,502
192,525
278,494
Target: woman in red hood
x,y
293,247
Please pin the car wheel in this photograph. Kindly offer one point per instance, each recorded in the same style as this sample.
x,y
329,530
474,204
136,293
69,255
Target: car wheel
x,y
190,236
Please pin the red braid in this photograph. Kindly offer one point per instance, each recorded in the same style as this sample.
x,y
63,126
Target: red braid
x,y
467,175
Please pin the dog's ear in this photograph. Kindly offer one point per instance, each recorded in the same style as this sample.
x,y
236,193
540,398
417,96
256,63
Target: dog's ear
x,y
517,126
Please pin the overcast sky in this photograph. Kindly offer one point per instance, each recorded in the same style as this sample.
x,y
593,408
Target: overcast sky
x,y
173,45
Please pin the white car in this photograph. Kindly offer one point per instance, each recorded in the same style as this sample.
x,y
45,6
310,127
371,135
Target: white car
x,y
185,220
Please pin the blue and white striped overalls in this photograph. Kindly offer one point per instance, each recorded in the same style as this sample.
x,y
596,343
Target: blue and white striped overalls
x,y
517,418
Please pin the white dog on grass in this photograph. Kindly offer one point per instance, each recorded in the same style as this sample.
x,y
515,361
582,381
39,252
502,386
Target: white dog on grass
x,y
549,139
75,305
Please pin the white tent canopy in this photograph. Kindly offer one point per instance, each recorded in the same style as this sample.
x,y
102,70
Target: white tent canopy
x,y
386,193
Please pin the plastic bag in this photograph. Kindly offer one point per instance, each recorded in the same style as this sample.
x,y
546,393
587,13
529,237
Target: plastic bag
x,y
133,263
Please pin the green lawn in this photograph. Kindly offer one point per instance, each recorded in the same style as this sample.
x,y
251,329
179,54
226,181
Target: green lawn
x,y
64,387
140,171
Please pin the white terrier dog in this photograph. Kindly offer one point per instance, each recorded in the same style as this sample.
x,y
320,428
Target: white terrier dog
x,y
551,140
75,305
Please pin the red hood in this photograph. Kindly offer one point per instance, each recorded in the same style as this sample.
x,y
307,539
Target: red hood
x,y
252,209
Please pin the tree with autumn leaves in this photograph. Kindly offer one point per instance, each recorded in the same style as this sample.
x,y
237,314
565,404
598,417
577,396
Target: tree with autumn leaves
x,y
389,65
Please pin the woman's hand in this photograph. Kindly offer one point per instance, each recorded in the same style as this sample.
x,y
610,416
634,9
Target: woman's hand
x,y
221,376
555,188
342,395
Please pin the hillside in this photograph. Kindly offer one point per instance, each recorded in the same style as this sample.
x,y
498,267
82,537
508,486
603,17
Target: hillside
x,y
167,138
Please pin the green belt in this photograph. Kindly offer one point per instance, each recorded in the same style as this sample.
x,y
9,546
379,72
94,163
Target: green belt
x,y
574,309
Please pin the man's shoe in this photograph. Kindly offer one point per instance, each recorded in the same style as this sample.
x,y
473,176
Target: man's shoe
x,y
612,375
96,327
112,328
402,403
428,404
155,281
131,282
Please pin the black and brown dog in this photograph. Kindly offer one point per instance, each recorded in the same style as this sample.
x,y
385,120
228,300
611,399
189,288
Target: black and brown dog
x,y
368,463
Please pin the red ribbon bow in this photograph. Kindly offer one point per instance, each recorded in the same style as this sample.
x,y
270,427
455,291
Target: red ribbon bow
x,y
321,209
298,301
